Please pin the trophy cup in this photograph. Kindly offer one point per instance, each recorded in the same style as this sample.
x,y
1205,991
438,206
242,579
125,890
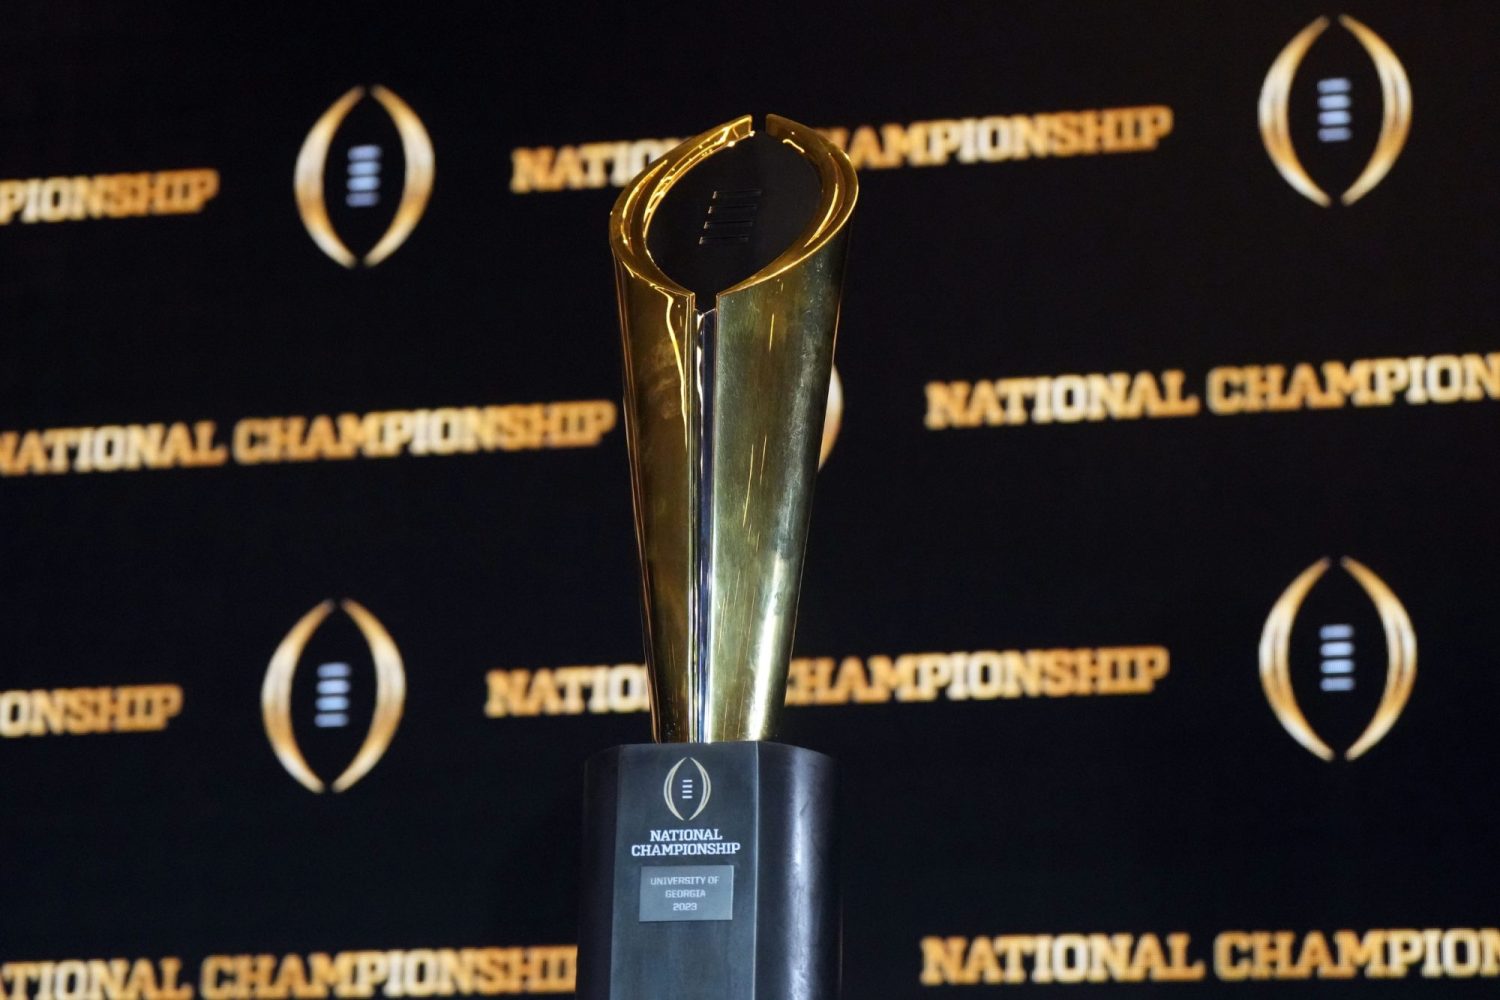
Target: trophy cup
x,y
708,858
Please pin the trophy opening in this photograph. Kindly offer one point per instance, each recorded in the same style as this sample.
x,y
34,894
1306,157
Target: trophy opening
x,y
733,214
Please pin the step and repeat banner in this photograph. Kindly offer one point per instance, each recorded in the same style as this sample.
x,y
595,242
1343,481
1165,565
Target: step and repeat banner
x,y
1149,603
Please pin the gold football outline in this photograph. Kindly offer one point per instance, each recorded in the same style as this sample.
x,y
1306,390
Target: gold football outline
x,y
1395,119
1275,660
390,696
708,789
307,177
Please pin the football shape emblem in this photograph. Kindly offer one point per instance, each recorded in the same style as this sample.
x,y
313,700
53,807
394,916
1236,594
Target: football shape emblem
x,y
1338,92
1339,624
363,177
333,695
687,789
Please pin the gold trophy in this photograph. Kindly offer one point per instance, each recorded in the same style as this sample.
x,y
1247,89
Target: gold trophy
x,y
708,855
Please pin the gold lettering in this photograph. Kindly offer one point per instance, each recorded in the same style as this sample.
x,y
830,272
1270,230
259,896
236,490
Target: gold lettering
x,y
1356,953
943,962
1345,382
864,151
531,170
947,405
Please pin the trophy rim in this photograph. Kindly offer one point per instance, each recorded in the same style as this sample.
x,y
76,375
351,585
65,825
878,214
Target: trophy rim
x,y
630,219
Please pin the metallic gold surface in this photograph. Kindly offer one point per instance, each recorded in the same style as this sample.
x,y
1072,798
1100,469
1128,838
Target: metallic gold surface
x,y
416,150
1401,656
722,498
1275,128
307,178
1275,661
390,695
1395,113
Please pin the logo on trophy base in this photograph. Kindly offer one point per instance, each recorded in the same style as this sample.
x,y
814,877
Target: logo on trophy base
x,y
687,796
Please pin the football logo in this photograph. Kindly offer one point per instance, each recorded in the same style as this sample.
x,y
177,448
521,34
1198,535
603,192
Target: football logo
x,y
364,177
1338,644
1344,95
334,696
687,792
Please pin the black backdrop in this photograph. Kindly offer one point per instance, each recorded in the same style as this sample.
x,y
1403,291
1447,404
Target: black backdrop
x,y
1186,809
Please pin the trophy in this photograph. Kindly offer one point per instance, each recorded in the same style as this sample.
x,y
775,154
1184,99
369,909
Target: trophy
x,y
708,857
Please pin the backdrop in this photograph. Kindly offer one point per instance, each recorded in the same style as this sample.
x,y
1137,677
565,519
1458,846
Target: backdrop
x,y
1149,598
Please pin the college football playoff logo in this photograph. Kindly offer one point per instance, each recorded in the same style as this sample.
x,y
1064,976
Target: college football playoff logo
x,y
335,694
1335,111
1342,623
687,790
365,175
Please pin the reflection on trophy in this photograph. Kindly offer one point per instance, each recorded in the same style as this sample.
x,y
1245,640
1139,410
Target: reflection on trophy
x,y
708,869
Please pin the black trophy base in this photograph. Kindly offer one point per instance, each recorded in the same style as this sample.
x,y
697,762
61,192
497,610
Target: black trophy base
x,y
708,874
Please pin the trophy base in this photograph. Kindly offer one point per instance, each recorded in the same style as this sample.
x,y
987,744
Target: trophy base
x,y
708,873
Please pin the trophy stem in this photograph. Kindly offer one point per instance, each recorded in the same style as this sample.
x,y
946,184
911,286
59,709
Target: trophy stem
x,y
702,602
724,407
